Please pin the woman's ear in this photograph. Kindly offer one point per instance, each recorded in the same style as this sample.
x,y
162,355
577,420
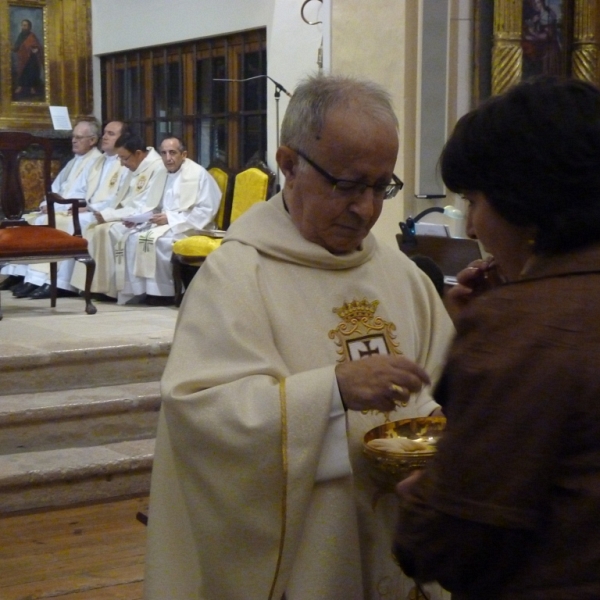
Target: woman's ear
x,y
287,160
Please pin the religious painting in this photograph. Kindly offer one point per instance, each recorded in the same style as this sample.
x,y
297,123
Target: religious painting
x,y
544,40
45,61
28,41
516,40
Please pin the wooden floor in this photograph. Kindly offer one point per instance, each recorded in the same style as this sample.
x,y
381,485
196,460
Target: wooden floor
x,y
93,552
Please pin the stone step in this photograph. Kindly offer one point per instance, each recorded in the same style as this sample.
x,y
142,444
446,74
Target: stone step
x,y
79,400
82,368
78,417
67,476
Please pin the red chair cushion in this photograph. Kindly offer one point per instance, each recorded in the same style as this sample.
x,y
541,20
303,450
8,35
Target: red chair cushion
x,y
38,240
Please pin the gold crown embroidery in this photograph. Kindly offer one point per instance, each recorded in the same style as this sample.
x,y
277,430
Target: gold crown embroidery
x,y
361,333
140,184
113,180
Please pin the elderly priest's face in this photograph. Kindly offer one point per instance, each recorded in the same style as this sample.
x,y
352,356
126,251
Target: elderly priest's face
x,y
353,147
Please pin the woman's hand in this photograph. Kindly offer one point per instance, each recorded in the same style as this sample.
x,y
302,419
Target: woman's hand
x,y
403,488
479,276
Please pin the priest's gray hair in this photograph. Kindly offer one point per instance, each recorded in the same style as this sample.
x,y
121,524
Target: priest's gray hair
x,y
93,125
315,96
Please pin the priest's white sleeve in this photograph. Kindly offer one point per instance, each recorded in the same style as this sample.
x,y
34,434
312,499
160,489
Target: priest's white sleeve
x,y
334,461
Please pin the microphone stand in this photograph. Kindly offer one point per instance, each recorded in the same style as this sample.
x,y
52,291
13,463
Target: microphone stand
x,y
408,229
278,89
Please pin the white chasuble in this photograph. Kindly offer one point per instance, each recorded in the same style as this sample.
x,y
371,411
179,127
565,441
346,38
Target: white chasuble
x,y
104,182
106,241
190,200
237,509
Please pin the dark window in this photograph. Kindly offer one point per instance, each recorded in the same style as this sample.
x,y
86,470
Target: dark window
x,y
179,89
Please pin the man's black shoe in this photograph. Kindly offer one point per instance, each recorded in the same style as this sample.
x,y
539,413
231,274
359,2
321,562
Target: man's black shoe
x,y
18,288
11,282
43,293
159,300
98,297
25,290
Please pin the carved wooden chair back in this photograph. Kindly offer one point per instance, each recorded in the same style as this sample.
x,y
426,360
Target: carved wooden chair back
x,y
21,242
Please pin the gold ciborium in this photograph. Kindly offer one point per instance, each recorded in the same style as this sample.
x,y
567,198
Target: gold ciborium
x,y
390,462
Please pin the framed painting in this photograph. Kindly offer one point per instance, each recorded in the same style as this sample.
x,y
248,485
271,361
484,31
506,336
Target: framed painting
x,y
45,60
519,39
29,70
545,37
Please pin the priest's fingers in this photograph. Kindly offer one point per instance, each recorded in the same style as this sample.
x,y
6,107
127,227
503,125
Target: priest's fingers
x,y
379,382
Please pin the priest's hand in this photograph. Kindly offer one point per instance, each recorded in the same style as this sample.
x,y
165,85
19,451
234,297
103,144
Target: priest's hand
x,y
159,219
379,382
99,217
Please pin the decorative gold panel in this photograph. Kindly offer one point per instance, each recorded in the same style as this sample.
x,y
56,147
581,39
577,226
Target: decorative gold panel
x,y
32,179
584,60
49,67
531,37
507,55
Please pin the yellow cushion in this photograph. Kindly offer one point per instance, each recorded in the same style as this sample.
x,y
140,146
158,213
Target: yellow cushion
x,y
250,187
196,245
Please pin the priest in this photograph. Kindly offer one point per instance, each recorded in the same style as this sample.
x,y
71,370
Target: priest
x,y
190,200
71,182
296,337
107,236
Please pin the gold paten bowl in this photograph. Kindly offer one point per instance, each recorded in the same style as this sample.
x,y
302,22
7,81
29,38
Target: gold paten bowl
x,y
388,468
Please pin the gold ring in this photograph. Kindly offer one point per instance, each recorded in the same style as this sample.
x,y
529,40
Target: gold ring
x,y
398,389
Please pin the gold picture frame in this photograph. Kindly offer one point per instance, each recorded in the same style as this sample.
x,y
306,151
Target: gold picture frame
x,y
61,75
532,37
29,60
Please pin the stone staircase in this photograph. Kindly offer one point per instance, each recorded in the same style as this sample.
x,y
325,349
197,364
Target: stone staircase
x,y
78,416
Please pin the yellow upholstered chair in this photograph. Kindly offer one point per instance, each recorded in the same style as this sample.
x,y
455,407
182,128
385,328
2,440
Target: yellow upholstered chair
x,y
254,184
224,178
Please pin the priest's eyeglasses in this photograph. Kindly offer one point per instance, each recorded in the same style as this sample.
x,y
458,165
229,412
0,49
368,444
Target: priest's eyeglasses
x,y
356,188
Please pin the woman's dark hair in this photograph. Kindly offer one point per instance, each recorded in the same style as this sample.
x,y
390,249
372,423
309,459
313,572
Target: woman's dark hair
x,y
534,152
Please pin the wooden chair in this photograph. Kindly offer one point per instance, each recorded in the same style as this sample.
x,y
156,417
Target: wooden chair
x,y
24,243
254,184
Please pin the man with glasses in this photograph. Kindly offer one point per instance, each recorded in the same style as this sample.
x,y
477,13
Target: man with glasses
x,y
296,337
107,237
71,182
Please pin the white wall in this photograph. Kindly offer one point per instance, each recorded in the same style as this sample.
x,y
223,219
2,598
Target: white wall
x,y
124,24
292,45
380,44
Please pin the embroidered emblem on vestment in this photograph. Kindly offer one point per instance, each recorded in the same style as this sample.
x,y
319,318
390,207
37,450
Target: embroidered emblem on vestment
x,y
361,334
113,180
146,241
141,184
119,252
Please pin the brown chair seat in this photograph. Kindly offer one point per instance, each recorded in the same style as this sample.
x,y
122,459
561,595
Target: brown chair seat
x,y
40,241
